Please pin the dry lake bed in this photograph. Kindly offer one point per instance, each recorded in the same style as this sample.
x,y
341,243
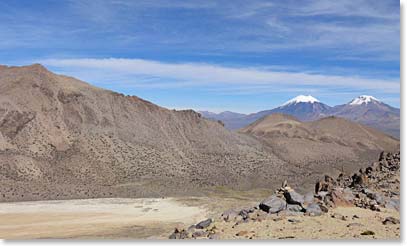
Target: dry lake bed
x,y
96,218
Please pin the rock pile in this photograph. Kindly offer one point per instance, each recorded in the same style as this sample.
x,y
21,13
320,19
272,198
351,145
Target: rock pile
x,y
374,187
201,230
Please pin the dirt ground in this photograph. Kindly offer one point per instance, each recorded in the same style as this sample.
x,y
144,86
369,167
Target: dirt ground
x,y
156,218
319,227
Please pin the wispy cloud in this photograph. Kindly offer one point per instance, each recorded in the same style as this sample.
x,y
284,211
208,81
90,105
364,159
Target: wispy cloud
x,y
136,71
219,48
367,29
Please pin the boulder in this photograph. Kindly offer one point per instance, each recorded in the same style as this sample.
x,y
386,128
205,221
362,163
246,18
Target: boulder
x,y
245,212
325,185
203,224
200,234
273,204
229,215
191,229
309,198
313,209
393,204
294,208
321,194
359,180
328,201
292,197
323,208
340,198
348,194
177,234
343,180
378,198
367,191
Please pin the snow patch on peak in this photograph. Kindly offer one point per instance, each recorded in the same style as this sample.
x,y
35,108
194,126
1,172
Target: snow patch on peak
x,y
363,100
301,99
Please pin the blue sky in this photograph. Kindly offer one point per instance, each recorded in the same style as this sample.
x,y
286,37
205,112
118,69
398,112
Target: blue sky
x,y
242,56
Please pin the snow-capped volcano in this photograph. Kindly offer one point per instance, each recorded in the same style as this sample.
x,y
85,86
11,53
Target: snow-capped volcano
x,y
363,100
364,109
301,99
372,112
305,108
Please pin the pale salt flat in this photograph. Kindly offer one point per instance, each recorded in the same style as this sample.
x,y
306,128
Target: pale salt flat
x,y
100,218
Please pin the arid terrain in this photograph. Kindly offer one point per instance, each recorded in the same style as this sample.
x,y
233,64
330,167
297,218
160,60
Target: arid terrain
x,y
367,208
61,138
365,205
126,120
78,161
326,146
68,139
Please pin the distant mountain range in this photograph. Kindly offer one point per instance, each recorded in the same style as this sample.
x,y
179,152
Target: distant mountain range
x,y
364,109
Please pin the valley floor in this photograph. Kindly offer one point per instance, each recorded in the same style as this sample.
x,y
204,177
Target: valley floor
x,y
156,218
95,218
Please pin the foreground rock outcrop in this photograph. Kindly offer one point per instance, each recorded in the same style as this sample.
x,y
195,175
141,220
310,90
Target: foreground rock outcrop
x,y
375,188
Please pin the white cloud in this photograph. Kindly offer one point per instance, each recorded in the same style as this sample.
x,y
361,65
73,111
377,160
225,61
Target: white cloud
x,y
154,74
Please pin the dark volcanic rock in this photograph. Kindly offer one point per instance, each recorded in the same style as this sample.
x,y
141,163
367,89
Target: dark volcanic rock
x,y
292,197
199,234
229,215
313,209
177,234
203,224
294,208
273,204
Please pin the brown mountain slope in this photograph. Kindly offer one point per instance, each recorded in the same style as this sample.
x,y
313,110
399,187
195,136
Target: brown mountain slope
x,y
63,138
327,145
